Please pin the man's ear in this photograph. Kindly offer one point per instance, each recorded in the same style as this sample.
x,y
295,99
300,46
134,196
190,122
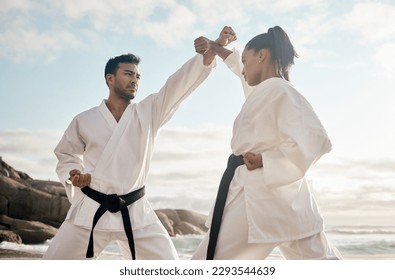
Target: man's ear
x,y
109,79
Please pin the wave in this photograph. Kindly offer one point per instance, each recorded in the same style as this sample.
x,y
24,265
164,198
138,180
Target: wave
x,y
361,230
369,247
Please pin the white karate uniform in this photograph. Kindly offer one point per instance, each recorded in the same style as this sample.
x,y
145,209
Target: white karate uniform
x,y
118,156
274,204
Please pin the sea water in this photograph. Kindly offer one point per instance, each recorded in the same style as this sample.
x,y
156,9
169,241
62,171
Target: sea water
x,y
353,242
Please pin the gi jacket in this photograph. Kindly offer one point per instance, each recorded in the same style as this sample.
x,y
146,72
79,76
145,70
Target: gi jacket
x,y
277,122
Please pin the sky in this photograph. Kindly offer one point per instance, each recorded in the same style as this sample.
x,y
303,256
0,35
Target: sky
x,y
52,58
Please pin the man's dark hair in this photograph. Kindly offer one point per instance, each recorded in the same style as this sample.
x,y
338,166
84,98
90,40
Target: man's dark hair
x,y
113,63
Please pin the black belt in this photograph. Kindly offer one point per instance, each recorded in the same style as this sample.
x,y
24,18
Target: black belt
x,y
233,162
113,203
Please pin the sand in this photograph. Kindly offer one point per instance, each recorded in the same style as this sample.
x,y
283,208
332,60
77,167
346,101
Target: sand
x,y
15,255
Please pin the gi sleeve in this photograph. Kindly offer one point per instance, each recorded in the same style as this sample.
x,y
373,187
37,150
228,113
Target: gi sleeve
x,y
234,64
69,154
303,140
178,87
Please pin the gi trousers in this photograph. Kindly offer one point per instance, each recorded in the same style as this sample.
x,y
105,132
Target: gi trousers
x,y
71,241
233,241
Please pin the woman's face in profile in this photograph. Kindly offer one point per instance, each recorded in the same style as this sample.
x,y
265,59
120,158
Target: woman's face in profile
x,y
252,70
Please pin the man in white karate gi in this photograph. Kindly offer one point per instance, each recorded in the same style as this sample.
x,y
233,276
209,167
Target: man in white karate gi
x,y
106,152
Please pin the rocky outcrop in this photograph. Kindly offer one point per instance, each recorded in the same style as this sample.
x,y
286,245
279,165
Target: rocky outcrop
x,y
29,200
8,235
180,221
32,210
29,232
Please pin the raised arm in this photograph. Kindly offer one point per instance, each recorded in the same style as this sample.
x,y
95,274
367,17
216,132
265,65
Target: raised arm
x,y
233,62
209,49
231,58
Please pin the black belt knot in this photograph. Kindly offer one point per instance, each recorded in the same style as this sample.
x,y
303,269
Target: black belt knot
x,y
113,203
233,162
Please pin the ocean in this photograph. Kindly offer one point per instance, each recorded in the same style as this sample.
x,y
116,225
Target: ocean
x,y
354,242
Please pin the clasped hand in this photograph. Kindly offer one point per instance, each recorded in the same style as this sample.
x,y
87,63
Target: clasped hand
x,y
203,44
253,161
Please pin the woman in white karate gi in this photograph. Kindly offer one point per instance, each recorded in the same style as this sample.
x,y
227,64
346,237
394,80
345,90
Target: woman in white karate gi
x,y
278,137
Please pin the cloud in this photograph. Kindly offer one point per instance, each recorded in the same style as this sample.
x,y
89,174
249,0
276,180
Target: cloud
x,y
364,201
384,56
163,21
46,28
354,187
23,44
43,30
291,5
375,22
31,31
339,173
310,31
30,151
212,13
173,23
27,142
15,5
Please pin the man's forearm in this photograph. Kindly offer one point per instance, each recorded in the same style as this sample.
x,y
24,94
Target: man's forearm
x,y
208,57
219,50
215,49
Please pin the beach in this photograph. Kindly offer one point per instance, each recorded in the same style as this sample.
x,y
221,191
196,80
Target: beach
x,y
354,243
18,255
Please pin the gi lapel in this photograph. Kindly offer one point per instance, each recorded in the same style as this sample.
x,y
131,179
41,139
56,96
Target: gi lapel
x,y
117,133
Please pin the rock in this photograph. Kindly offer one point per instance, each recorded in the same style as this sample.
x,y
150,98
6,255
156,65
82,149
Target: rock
x,y
36,236
3,205
184,228
51,187
182,221
31,232
28,203
10,172
166,222
10,236
19,255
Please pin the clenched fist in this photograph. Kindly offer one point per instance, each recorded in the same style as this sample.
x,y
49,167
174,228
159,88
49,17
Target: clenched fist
x,y
226,36
78,179
202,44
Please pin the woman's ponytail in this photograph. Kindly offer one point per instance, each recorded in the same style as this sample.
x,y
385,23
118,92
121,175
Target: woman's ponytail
x,y
281,49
